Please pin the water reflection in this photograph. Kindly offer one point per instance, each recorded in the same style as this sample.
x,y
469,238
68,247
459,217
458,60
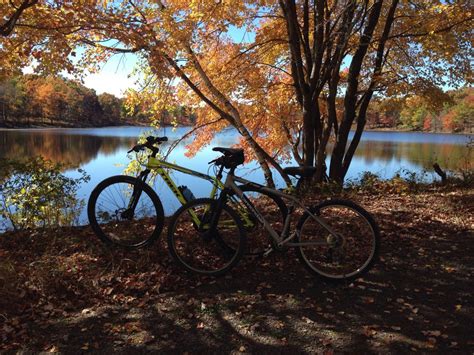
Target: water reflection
x,y
423,155
382,150
73,150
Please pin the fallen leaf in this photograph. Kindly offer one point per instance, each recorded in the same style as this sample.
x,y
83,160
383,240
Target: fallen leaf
x,y
368,300
326,342
434,333
368,331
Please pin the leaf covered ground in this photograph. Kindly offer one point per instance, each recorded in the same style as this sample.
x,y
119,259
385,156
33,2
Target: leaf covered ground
x,y
62,290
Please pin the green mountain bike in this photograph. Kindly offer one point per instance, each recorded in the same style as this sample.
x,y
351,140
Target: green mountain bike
x,y
125,211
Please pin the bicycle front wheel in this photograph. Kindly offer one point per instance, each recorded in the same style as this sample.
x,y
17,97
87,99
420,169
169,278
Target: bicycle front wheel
x,y
201,248
126,212
345,252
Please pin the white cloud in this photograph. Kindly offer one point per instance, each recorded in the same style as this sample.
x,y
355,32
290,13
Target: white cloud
x,y
115,76
112,83
114,79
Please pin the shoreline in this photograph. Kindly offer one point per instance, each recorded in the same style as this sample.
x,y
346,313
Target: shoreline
x,y
135,124
39,128
389,130
106,124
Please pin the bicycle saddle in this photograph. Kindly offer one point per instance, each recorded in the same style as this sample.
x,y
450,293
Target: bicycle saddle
x,y
232,156
306,171
228,151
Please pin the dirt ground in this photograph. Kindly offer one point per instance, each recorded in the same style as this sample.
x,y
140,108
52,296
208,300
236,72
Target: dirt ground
x,y
64,291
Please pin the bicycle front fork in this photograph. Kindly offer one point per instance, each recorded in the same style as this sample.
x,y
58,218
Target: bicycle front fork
x,y
137,192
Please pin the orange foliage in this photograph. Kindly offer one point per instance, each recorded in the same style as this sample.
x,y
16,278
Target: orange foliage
x,y
448,121
189,57
427,122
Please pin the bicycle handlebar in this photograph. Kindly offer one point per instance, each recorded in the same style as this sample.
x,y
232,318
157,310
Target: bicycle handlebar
x,y
150,142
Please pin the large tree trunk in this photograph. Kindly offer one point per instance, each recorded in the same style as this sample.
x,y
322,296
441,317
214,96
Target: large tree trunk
x,y
337,172
365,101
308,134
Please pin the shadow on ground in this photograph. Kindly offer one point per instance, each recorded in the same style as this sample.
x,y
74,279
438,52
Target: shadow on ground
x,y
77,295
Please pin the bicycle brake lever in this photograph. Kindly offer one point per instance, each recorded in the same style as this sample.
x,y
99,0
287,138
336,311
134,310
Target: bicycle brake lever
x,y
136,148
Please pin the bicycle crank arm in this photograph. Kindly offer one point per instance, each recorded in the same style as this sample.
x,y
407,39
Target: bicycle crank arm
x,y
268,252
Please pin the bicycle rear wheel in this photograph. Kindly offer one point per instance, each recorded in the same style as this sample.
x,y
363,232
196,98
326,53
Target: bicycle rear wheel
x,y
118,221
198,247
347,254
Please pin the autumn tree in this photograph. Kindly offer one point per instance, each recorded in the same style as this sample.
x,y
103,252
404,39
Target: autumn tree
x,y
305,74
12,99
414,113
51,98
32,99
459,116
389,47
111,106
384,112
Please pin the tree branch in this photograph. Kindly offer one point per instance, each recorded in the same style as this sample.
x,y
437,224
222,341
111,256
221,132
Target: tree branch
x,y
7,28
194,88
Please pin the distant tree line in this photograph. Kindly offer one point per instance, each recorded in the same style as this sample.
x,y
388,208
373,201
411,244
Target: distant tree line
x,y
452,111
32,100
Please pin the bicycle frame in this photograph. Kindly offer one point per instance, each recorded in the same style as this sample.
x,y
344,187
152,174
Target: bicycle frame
x,y
161,166
282,239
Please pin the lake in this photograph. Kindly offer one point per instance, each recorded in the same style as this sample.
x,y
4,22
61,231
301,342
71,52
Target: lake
x,y
102,152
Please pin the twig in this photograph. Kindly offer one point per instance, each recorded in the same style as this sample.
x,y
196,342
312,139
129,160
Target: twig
x,y
175,143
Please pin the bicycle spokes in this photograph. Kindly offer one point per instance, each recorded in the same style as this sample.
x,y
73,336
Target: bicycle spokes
x,y
347,250
124,211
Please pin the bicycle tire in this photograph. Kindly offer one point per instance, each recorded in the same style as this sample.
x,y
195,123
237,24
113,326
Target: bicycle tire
x,y
111,227
272,206
351,223
189,245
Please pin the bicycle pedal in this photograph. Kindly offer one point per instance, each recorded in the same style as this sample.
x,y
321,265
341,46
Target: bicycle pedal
x,y
268,252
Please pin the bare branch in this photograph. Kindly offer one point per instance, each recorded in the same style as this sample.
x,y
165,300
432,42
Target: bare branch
x,y
188,134
439,30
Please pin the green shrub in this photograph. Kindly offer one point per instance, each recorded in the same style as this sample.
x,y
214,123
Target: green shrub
x,y
35,193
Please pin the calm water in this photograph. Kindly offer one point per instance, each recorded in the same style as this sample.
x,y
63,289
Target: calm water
x,y
102,153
